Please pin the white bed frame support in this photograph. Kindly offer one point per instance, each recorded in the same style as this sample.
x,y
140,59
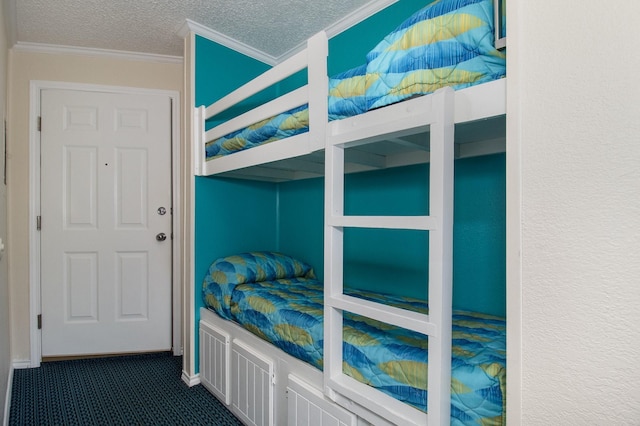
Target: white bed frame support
x,y
500,40
439,118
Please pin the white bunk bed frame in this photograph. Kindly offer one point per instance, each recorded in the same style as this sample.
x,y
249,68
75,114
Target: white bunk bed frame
x,y
460,124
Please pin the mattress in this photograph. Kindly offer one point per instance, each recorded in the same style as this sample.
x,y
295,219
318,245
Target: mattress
x,y
447,43
285,308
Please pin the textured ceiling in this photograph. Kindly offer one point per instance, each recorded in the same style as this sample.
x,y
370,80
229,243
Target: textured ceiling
x,y
273,27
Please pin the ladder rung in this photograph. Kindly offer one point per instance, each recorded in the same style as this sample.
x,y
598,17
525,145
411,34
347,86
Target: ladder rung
x,y
403,318
420,223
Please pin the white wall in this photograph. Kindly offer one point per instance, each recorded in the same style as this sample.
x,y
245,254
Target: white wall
x,y
574,256
5,354
23,68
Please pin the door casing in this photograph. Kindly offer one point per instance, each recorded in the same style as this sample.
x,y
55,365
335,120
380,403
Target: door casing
x,y
35,89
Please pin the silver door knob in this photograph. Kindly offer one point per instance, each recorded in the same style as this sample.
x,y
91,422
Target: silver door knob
x,y
161,236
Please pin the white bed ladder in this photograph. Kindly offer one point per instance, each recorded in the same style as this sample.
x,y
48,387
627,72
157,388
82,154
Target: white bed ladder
x,y
437,325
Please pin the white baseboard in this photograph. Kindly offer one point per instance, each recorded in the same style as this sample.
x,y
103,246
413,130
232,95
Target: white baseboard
x,y
21,364
7,399
15,365
190,380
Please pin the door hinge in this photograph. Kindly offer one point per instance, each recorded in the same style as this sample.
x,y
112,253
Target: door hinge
x,y
40,124
38,222
39,321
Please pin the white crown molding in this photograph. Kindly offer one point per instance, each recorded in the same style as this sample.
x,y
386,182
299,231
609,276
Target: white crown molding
x,y
224,40
22,46
343,24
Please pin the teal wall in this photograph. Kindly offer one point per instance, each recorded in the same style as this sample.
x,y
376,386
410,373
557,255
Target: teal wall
x,y
301,221
220,70
479,234
234,216
379,259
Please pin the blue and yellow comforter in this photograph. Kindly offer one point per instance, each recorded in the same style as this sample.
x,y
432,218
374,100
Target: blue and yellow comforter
x,y
278,298
447,43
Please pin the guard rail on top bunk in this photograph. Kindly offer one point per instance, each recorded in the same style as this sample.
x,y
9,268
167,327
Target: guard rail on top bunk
x,y
479,117
314,59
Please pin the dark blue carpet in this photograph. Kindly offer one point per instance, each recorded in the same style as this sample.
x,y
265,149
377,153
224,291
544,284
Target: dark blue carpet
x,y
127,390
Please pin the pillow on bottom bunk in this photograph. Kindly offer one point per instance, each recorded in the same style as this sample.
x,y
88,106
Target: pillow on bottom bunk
x,y
226,273
448,43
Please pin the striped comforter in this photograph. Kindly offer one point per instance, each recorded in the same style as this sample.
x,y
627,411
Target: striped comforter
x,y
278,299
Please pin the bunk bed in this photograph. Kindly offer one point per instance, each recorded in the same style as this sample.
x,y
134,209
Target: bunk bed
x,y
278,298
389,119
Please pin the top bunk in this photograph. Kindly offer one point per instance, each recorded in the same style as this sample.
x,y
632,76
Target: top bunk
x,y
380,109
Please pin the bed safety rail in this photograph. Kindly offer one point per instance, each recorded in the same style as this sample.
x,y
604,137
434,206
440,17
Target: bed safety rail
x,y
314,93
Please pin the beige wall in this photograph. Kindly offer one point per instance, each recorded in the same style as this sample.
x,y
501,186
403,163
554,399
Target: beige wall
x,y
23,68
574,257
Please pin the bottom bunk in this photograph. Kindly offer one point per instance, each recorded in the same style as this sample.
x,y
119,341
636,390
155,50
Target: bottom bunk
x,y
269,316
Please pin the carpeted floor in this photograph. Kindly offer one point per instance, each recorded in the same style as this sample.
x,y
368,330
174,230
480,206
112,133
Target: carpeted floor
x,y
128,390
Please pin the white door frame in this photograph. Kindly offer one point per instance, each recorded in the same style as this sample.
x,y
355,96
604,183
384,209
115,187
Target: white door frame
x,y
35,89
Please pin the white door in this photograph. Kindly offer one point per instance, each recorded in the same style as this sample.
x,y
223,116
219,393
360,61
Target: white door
x,y
105,180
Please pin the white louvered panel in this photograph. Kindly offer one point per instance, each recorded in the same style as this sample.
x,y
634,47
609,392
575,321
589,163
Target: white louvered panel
x,y
253,385
214,361
283,103
308,407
